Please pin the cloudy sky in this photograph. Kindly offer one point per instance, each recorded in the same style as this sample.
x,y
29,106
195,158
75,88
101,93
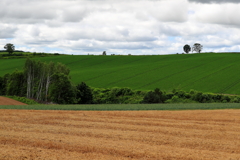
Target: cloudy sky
x,y
120,26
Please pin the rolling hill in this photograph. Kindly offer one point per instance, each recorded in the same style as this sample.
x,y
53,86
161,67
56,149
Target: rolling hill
x,y
207,72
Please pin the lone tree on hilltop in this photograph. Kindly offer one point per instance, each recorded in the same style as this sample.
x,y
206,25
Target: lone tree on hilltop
x,y
197,47
9,47
187,48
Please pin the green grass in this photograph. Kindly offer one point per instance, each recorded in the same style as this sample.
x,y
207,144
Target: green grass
x,y
206,72
128,107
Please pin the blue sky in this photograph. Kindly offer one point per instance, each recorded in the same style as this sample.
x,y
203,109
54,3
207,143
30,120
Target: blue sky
x,y
120,27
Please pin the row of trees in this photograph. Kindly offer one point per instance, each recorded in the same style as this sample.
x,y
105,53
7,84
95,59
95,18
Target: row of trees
x,y
197,47
178,96
44,82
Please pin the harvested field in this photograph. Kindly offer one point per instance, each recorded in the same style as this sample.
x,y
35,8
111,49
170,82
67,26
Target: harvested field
x,y
31,134
9,101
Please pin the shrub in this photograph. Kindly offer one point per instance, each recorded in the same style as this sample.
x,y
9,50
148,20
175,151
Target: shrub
x,y
156,96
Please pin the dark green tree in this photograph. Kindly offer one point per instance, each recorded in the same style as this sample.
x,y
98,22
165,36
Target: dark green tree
x,y
84,94
61,90
15,84
9,47
1,86
187,48
156,96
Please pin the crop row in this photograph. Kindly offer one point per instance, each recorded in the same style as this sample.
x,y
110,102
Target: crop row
x,y
195,106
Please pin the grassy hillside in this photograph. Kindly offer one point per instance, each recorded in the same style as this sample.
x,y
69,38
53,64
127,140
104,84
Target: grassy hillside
x,y
217,73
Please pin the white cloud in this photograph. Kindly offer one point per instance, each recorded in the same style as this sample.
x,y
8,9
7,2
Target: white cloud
x,y
226,14
119,27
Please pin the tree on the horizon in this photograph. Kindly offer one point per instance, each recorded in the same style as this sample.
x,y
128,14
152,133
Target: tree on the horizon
x,y
9,48
187,48
197,47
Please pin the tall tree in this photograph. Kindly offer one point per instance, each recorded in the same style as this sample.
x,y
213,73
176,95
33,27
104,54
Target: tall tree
x,y
187,48
61,90
197,47
84,94
9,47
15,84
39,77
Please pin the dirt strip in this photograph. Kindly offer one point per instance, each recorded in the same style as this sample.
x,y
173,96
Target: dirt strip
x,y
9,101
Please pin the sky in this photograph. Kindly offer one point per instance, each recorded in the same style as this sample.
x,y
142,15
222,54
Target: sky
x,y
121,27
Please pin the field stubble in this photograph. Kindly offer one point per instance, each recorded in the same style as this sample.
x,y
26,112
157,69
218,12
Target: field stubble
x,y
31,134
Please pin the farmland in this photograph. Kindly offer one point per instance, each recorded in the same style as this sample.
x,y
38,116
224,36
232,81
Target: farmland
x,y
209,72
31,134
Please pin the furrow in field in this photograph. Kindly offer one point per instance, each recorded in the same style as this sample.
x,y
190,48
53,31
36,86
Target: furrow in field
x,y
138,145
210,74
136,69
179,72
134,75
121,135
229,86
116,131
118,70
78,61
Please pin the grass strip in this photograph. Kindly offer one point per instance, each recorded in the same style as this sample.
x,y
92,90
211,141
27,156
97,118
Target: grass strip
x,y
127,107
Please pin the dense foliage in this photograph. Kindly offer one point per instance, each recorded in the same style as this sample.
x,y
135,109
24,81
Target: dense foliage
x,y
40,81
187,48
188,97
84,94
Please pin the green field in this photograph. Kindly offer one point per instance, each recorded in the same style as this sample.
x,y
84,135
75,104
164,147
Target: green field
x,y
127,107
206,72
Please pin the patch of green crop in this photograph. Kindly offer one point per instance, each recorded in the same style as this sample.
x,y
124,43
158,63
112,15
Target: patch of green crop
x,y
206,72
128,107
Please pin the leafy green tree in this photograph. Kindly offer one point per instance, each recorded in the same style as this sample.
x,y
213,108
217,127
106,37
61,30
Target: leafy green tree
x,y
61,90
40,76
156,96
9,47
197,47
1,86
4,83
84,94
15,84
187,48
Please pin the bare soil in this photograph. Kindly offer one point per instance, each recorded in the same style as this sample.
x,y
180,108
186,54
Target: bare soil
x,y
9,101
108,135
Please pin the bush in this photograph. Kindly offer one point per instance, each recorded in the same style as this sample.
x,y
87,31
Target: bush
x,y
176,99
117,95
156,96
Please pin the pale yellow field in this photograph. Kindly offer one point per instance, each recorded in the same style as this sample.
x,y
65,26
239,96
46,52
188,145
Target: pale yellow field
x,y
108,135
